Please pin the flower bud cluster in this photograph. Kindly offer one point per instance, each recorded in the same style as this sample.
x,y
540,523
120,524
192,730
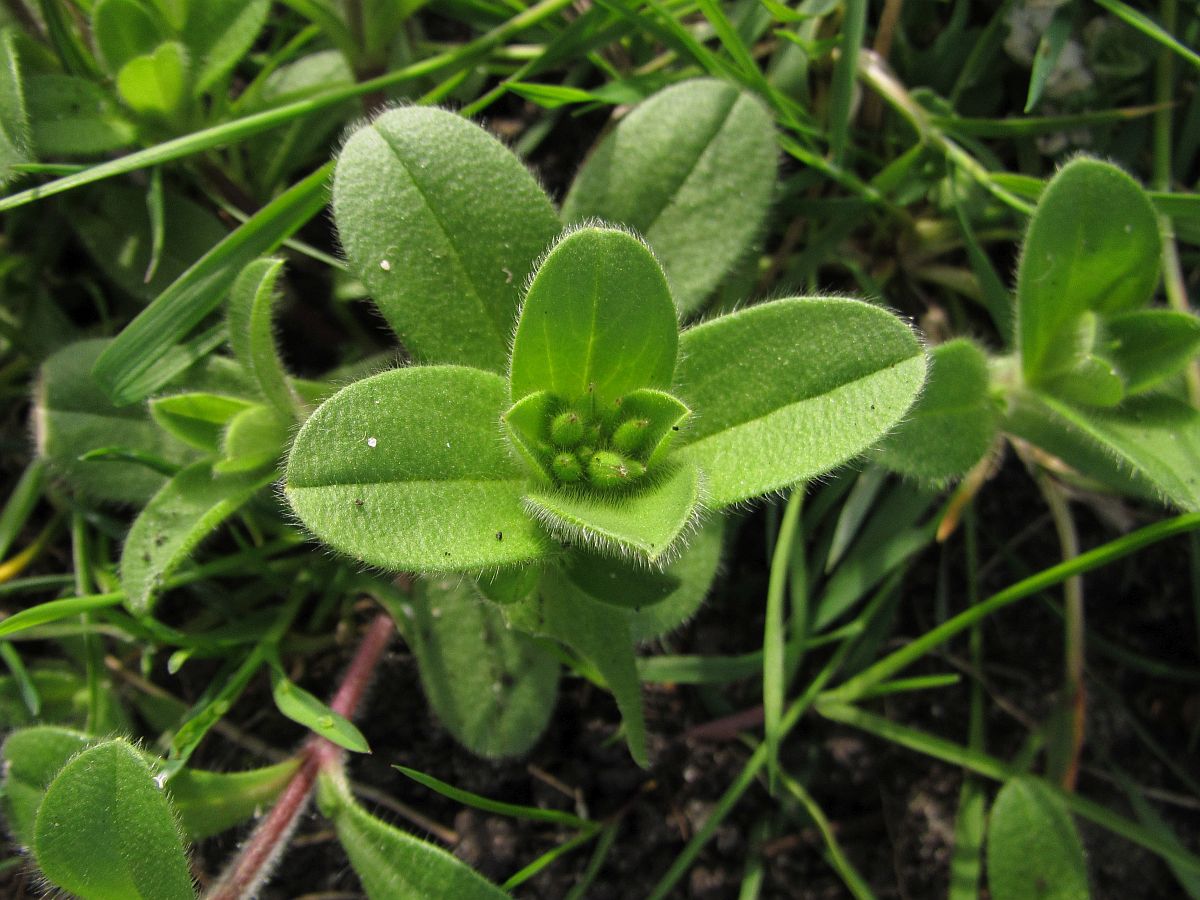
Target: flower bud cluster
x,y
585,449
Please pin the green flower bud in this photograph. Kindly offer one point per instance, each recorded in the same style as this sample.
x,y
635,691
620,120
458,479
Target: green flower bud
x,y
566,468
566,429
607,469
630,434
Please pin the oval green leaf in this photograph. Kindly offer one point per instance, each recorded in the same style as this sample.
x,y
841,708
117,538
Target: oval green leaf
x,y
122,30
1093,246
785,391
695,569
406,470
442,225
393,865
32,757
951,427
184,512
105,831
1033,850
597,323
493,688
692,169
252,336
1148,346
303,708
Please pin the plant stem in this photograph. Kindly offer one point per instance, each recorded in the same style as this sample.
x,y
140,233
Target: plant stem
x,y
1074,692
254,864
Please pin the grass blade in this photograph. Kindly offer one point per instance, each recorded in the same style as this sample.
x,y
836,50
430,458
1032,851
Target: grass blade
x,y
200,289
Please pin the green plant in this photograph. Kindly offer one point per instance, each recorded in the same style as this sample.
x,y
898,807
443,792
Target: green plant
x,y
520,467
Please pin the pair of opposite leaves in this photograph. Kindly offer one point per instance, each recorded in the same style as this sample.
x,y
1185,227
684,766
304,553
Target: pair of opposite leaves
x,y
405,470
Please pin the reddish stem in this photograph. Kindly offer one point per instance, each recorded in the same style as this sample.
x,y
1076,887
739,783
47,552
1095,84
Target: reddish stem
x,y
254,863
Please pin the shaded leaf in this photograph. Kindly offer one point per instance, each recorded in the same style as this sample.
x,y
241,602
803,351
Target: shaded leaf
x,y
123,30
393,865
1148,346
197,418
32,757
598,632
695,569
71,116
951,426
1033,849
208,803
493,688
1150,445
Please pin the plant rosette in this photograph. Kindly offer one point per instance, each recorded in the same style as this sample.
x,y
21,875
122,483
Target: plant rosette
x,y
567,480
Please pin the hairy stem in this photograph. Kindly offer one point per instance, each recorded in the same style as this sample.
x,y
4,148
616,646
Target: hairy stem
x,y
253,865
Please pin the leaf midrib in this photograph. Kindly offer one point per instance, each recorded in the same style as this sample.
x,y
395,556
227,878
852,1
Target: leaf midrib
x,y
454,248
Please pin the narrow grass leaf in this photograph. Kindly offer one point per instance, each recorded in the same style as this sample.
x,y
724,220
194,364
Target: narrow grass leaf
x,y
845,71
774,670
1049,49
55,610
201,289
1151,29
531,813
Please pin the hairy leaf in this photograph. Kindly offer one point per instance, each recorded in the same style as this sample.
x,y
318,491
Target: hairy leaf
x,y
32,757
123,30
818,381
187,508
1093,246
1033,849
406,470
391,864
1149,445
952,425
597,323
643,520
197,418
255,438
598,632
692,169
208,803
695,569
1148,346
493,688
71,116
251,334
105,830
219,33
442,225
